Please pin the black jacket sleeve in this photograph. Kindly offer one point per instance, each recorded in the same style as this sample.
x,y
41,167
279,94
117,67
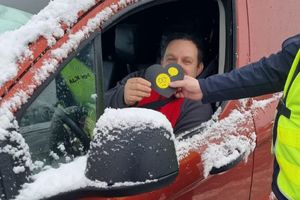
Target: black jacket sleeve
x,y
114,97
192,114
268,75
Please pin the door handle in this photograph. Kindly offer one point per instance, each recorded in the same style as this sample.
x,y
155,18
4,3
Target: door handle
x,y
217,170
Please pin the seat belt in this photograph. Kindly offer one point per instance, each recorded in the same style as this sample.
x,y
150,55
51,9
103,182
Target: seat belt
x,y
156,105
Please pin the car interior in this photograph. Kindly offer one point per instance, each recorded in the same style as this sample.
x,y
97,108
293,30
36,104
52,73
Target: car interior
x,y
134,42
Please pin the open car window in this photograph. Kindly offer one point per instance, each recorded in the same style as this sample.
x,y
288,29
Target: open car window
x,y
134,42
58,124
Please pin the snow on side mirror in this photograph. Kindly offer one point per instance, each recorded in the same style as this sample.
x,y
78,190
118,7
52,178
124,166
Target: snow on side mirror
x,y
132,151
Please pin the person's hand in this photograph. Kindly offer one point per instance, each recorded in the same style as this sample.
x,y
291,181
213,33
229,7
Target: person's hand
x,y
187,88
135,90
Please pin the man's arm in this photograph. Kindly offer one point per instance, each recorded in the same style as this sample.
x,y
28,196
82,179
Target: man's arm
x,y
265,76
115,97
129,91
268,75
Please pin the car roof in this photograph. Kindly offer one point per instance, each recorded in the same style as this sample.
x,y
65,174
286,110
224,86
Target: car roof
x,y
30,6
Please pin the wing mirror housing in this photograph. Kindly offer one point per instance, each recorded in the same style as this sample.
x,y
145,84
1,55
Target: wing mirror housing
x,y
137,148
132,152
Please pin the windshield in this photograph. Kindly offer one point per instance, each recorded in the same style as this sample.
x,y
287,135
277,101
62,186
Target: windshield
x,y
15,13
11,18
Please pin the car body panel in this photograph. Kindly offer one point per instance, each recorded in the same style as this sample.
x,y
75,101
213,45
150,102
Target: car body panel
x,y
270,23
242,34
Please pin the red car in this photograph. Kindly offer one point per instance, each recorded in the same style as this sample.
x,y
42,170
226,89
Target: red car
x,y
47,122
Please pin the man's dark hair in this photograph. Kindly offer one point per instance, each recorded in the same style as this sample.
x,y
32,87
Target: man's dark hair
x,y
169,37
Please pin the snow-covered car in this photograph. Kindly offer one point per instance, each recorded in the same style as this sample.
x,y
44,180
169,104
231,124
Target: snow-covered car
x,y
57,58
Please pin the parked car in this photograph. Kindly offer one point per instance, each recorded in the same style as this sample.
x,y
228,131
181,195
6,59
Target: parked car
x,y
57,63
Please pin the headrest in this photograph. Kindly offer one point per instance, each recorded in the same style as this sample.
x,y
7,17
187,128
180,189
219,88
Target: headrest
x,y
125,42
136,44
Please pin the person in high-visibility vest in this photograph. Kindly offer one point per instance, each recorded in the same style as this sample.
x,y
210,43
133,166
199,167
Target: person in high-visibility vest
x,y
278,72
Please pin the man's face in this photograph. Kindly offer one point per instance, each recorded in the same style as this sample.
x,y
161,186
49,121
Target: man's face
x,y
184,53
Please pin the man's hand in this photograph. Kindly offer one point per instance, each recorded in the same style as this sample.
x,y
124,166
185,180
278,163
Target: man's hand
x,y
187,88
135,90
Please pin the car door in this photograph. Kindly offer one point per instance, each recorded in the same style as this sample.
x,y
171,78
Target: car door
x,y
198,149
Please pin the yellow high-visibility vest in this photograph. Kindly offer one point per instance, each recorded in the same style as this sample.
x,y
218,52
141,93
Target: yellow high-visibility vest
x,y
287,144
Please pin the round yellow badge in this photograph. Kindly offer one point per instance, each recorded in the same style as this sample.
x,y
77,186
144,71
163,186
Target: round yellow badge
x,y
163,81
173,71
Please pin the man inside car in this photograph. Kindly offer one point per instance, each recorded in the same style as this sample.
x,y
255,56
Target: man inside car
x,y
135,91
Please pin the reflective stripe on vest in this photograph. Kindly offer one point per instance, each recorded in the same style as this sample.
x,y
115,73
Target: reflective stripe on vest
x,y
287,146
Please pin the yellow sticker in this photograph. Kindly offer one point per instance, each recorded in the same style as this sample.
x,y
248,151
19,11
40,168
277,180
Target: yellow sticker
x,y
163,81
173,71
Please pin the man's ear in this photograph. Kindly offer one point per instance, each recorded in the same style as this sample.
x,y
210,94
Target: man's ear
x,y
200,68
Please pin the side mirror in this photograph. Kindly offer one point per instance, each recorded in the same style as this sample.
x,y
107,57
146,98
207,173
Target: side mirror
x,y
132,152
135,146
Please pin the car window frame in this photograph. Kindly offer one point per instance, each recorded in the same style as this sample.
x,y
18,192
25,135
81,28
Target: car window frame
x,y
228,49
